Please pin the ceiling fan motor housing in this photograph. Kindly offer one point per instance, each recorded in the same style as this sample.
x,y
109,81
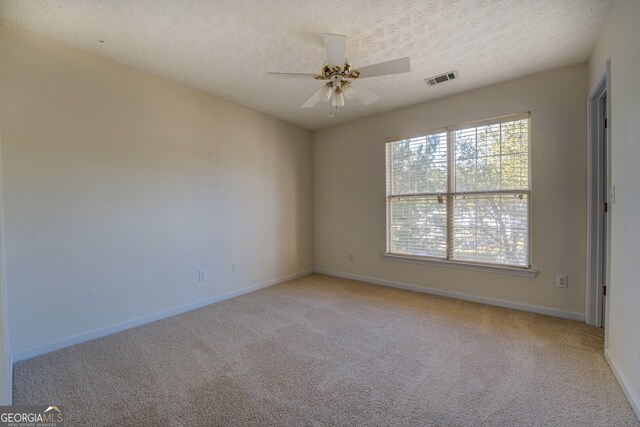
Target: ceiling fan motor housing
x,y
338,76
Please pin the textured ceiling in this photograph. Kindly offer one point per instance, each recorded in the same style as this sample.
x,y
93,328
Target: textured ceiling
x,y
225,47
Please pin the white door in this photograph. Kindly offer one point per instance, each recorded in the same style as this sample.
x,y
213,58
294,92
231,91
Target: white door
x,y
607,208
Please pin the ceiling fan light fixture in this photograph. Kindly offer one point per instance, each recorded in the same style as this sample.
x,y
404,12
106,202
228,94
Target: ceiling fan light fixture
x,y
326,93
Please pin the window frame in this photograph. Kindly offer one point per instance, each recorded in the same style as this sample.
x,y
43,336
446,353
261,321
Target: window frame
x,y
450,195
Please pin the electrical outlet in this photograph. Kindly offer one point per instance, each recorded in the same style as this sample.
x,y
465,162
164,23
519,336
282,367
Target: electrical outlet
x,y
234,267
202,274
562,281
352,257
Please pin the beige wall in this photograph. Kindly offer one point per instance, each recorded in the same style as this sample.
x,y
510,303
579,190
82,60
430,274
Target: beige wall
x,y
5,358
349,190
619,43
119,186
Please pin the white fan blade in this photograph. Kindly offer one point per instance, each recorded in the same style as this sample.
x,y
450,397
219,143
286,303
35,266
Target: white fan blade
x,y
336,46
364,96
395,66
313,100
272,73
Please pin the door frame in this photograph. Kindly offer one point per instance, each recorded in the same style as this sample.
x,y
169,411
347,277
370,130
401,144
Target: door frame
x,y
598,233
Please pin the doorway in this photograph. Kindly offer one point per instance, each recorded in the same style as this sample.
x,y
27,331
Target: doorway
x,y
600,199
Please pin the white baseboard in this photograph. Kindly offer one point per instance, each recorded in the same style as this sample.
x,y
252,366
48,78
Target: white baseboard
x,y
458,295
633,399
98,333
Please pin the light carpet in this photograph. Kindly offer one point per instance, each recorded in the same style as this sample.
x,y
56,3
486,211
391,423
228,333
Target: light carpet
x,y
321,351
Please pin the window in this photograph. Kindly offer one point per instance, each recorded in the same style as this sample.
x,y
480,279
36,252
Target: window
x,y
462,193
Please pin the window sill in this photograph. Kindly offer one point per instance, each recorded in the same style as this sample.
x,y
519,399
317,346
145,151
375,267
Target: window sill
x,y
514,271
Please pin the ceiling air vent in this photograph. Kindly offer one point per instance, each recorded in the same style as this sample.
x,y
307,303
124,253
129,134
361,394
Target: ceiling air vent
x,y
451,75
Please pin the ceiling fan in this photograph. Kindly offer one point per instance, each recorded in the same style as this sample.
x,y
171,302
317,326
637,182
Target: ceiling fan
x,y
339,75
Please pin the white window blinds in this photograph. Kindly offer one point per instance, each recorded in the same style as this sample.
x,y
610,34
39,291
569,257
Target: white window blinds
x,y
462,194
